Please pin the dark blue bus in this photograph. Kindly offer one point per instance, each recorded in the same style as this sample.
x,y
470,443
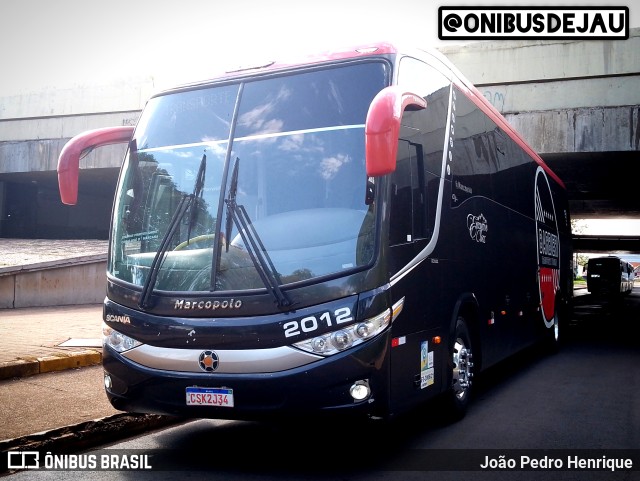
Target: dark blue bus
x,y
356,233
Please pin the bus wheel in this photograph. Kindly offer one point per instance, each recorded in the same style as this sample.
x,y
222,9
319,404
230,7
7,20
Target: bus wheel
x,y
462,370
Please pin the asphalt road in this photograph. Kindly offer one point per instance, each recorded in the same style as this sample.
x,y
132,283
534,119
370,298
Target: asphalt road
x,y
581,403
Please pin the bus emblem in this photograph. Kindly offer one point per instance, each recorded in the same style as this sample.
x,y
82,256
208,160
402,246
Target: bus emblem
x,y
208,361
478,227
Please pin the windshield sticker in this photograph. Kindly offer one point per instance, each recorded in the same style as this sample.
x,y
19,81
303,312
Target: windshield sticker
x,y
141,236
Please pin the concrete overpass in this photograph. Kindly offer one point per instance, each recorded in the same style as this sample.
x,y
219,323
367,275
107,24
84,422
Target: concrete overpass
x,y
606,243
576,102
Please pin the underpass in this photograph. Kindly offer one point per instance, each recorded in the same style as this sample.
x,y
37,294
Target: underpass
x,y
580,112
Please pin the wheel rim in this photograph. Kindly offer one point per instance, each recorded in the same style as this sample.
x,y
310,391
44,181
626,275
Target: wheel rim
x,y
462,369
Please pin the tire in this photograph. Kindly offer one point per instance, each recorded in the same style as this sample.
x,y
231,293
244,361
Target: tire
x,y
461,359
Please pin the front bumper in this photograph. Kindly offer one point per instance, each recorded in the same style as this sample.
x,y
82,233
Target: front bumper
x,y
312,389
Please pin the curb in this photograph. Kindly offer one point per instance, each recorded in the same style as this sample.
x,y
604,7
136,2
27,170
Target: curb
x,y
28,366
87,435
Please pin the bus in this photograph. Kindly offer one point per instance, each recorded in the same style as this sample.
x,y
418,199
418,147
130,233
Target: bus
x,y
610,276
355,233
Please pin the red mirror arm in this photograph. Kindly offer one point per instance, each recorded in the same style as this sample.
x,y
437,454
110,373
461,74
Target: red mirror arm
x,y
69,159
383,127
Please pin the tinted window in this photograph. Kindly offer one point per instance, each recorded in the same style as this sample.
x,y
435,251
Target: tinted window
x,y
298,182
321,98
474,151
416,181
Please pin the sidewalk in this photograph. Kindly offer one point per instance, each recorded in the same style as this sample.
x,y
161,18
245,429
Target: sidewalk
x,y
34,341
62,408
42,339
45,401
21,253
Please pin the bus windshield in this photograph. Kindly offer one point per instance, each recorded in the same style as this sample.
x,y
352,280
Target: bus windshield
x,y
226,184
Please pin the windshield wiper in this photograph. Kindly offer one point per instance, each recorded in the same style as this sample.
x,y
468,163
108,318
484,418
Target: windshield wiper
x,y
253,244
184,204
197,195
233,192
187,202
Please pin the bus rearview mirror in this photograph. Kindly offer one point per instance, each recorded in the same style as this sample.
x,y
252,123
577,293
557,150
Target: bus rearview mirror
x,y
78,146
382,127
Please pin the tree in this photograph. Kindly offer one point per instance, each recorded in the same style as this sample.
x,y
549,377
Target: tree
x,y
578,226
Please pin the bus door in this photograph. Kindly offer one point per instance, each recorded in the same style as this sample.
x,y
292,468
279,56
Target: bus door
x,y
414,189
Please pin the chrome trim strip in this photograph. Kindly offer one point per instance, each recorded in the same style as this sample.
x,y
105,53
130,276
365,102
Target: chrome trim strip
x,y
240,361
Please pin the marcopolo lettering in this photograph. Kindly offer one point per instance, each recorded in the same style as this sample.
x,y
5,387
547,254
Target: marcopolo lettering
x,y
184,305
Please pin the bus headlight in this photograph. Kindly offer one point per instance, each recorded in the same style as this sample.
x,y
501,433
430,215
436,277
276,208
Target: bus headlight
x,y
116,340
346,337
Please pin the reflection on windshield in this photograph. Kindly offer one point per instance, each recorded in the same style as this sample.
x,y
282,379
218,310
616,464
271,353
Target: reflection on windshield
x,y
301,185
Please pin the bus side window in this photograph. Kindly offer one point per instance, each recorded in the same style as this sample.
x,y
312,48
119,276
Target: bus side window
x,y
409,196
402,187
415,184
475,160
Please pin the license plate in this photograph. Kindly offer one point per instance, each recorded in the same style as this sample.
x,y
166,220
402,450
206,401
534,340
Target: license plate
x,y
206,396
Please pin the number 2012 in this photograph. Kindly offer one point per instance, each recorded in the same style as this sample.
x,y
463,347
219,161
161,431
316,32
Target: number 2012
x,y
311,323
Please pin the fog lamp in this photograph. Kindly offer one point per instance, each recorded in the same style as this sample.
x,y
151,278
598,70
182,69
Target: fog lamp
x,y
360,390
